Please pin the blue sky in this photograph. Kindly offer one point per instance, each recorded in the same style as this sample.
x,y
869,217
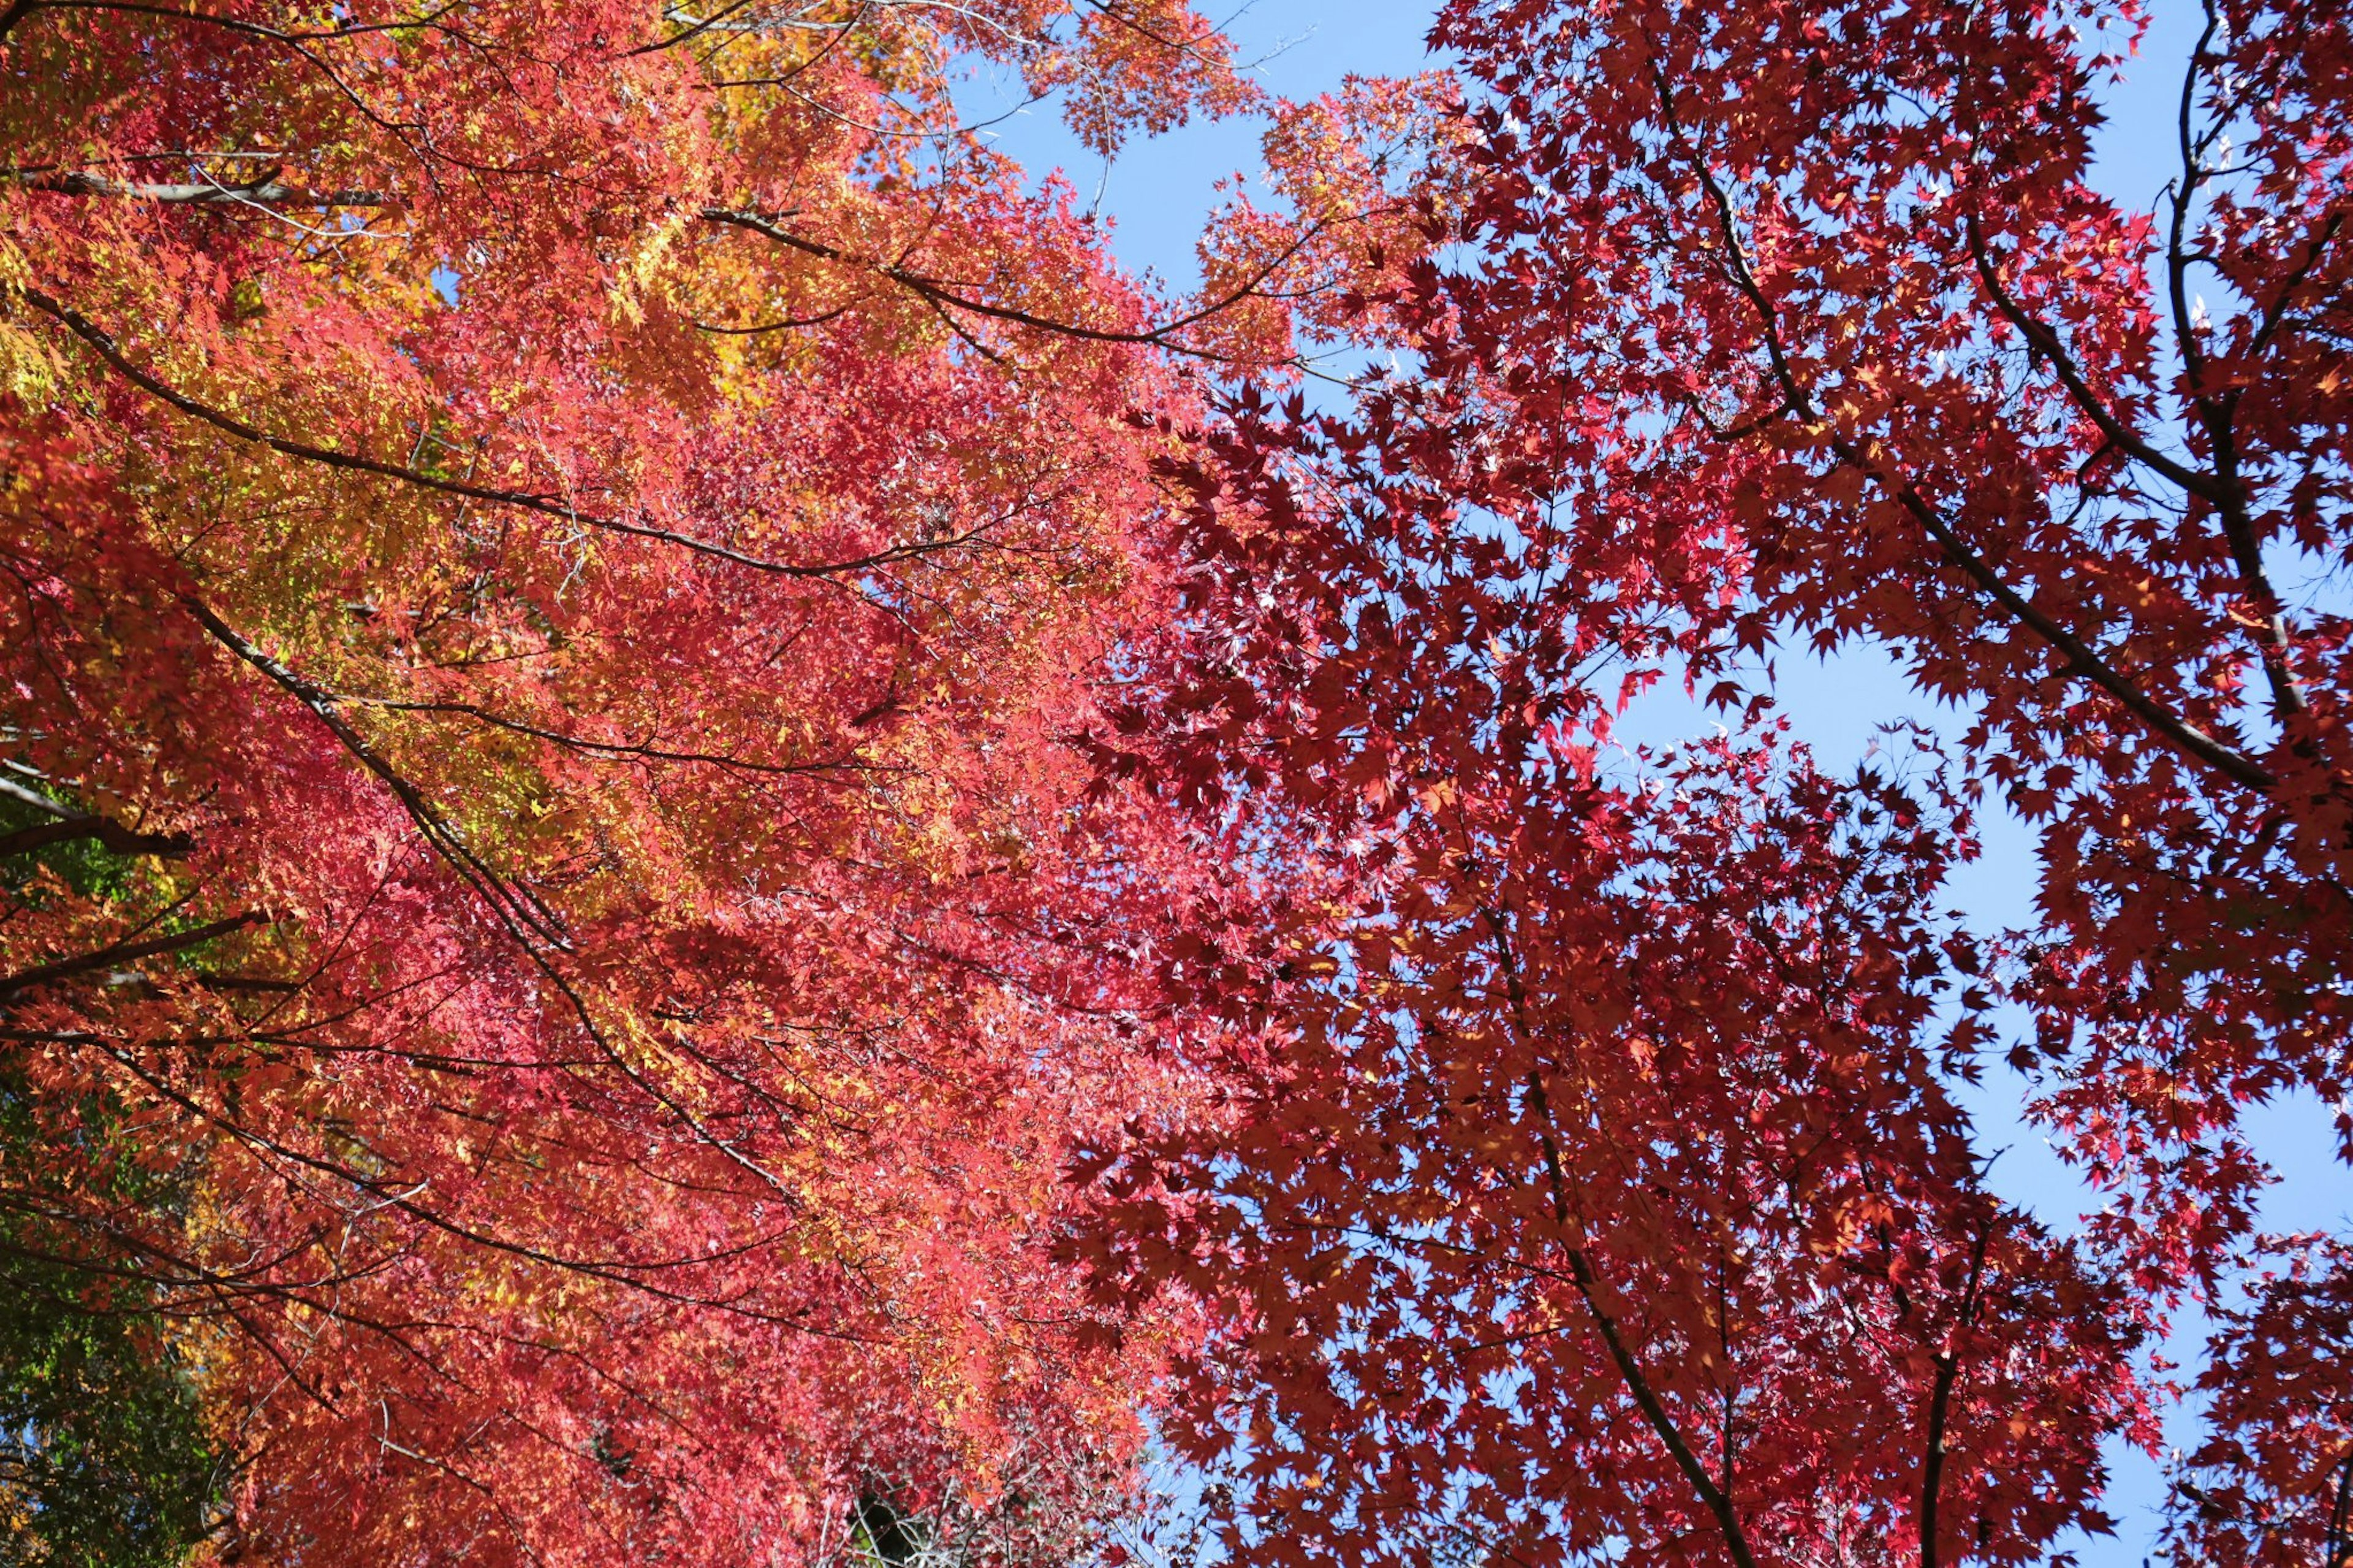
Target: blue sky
x,y
1157,194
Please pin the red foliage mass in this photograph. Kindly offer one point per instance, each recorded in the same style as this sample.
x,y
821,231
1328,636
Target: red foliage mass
x,y
1612,1204
557,549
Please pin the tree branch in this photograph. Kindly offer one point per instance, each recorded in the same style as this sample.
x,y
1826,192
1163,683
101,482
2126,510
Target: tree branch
x,y
232,24
67,824
272,189
534,928
116,838
1940,1401
515,904
546,505
644,751
1585,1276
2078,658
2337,1550
2185,192
2071,374
943,294
2220,488
1662,1421
125,951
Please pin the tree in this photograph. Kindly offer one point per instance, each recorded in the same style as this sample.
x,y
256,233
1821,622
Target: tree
x,y
104,1457
550,552
1606,1199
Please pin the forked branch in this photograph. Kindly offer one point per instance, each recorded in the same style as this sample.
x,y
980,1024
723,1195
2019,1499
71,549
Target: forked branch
x,y
2076,657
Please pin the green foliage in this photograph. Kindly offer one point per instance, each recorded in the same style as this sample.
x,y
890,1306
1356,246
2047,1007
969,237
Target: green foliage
x,y
84,865
103,1458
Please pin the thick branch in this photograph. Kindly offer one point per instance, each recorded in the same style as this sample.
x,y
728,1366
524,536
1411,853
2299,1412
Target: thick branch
x,y
264,192
126,952
1940,1404
67,825
2218,415
113,835
2184,195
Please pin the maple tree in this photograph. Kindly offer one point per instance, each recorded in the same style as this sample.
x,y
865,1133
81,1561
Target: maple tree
x,y
1597,1190
553,943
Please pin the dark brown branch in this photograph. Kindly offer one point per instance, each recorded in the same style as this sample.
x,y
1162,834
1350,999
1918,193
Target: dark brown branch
x,y
2337,1550
646,751
785,324
2219,413
1940,1402
2077,657
1662,1421
127,952
1193,46
546,505
2070,375
2184,195
231,24
67,825
2278,646
250,982
113,835
514,904
685,34
2275,314
944,294
1586,1277
2221,488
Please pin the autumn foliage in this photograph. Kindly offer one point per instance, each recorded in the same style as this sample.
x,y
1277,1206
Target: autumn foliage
x,y
1607,1198
712,853
553,941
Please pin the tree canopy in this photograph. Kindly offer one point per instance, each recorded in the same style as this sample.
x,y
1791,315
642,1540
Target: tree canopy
x,y
712,850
